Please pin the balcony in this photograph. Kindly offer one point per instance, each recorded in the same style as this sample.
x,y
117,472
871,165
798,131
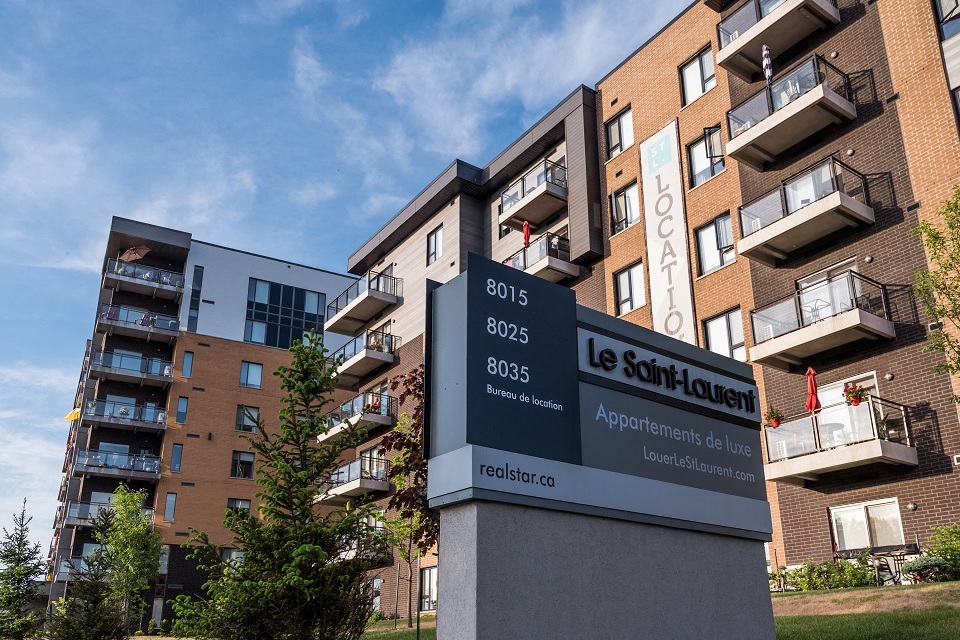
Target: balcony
x,y
359,478
806,99
368,351
135,368
824,199
117,465
779,24
82,514
819,318
138,323
535,197
370,410
359,304
138,278
119,415
839,436
547,257
69,567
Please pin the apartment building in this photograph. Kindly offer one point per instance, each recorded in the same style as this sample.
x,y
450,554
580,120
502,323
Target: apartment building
x,y
547,182
185,339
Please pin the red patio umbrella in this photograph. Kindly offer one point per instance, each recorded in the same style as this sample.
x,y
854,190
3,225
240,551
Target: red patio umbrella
x,y
813,402
526,233
134,253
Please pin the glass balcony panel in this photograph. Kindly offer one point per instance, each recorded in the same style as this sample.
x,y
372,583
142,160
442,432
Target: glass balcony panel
x,y
114,460
747,114
845,424
546,171
760,213
737,22
766,6
546,246
775,320
139,317
374,281
791,439
146,273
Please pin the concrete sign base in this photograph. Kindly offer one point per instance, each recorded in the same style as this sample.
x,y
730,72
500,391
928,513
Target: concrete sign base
x,y
520,572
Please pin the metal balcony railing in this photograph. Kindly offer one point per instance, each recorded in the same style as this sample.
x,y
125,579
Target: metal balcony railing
x,y
749,14
546,171
364,468
373,340
801,78
374,282
138,317
816,302
126,362
124,461
88,511
124,411
369,402
838,425
145,273
546,246
806,187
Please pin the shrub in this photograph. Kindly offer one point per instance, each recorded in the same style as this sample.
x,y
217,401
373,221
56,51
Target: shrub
x,y
165,627
377,616
840,574
945,544
927,568
151,627
809,576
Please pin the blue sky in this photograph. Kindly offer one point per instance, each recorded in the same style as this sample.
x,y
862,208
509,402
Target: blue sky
x,y
290,128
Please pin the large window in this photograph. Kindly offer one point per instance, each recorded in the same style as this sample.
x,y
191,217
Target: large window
x,y
182,403
867,525
725,335
238,504
697,76
428,589
247,418
619,133
175,458
170,507
251,374
705,157
715,244
626,208
242,465
278,315
186,367
630,289
435,245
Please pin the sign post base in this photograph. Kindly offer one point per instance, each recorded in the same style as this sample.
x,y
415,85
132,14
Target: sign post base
x,y
521,572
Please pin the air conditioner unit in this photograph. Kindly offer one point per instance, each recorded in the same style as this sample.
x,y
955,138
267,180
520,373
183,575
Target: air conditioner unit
x,y
781,450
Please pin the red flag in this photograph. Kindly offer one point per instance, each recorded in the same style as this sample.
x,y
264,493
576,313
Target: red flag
x,y
813,402
526,233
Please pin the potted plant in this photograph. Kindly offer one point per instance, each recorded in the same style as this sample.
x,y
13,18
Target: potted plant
x,y
123,412
773,417
854,394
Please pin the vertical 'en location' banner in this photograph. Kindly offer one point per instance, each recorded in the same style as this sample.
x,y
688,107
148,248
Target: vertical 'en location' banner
x,y
668,261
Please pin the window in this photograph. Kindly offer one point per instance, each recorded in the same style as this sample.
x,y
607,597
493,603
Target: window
x,y
251,374
504,230
697,76
715,244
242,466
428,589
186,367
170,508
626,208
725,335
247,418
182,409
278,315
619,133
948,13
435,245
238,504
867,525
630,290
175,457
193,315
231,556
705,157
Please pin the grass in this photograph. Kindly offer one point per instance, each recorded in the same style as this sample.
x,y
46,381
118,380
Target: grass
x,y
383,630
930,624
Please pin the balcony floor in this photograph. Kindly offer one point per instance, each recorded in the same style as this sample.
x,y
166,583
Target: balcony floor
x,y
113,472
141,286
129,375
364,362
370,420
553,269
809,467
536,207
115,422
353,489
112,327
360,311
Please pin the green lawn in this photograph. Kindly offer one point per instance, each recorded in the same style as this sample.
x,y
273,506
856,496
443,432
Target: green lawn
x,y
384,629
931,624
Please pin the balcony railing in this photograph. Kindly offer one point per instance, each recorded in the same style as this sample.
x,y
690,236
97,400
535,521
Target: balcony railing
x,y
810,185
125,362
88,511
789,86
108,409
743,18
374,282
146,463
365,403
546,246
831,297
373,340
143,272
138,317
838,425
366,468
546,171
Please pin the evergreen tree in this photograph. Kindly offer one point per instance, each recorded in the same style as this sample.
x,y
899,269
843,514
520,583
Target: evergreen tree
x,y
90,610
304,571
21,565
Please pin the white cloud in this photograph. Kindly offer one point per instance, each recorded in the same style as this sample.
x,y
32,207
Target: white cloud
x,y
308,74
310,194
13,86
348,13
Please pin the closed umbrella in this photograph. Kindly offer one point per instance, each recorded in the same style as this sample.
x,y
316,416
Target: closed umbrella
x,y
134,253
526,233
813,402
767,64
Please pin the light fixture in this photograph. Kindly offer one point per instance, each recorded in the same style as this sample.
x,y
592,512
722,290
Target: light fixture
x,y
889,376
868,259
850,152
912,506
834,54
